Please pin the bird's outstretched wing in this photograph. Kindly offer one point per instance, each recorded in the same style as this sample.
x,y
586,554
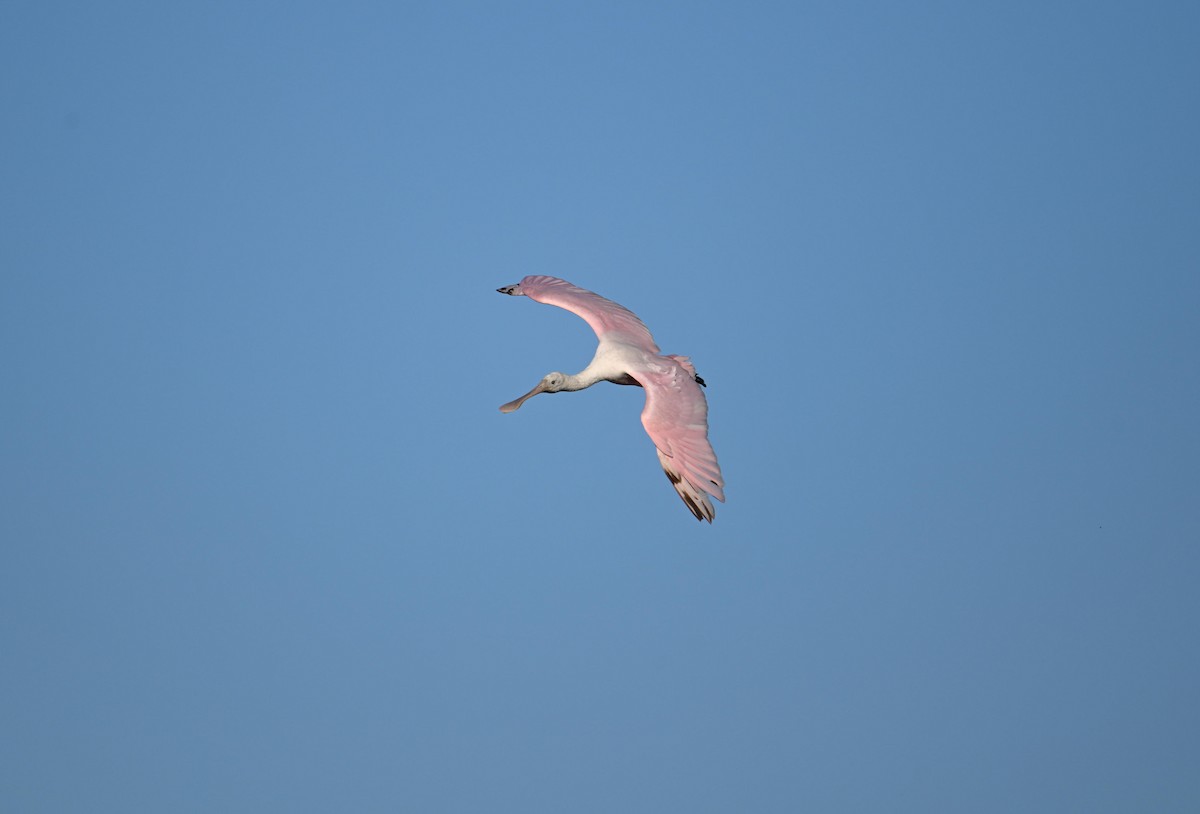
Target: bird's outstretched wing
x,y
603,315
676,419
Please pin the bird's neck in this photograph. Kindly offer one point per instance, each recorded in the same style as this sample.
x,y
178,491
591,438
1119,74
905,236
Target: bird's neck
x,y
610,364
581,380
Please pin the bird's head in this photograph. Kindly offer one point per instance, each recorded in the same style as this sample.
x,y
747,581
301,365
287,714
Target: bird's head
x,y
550,383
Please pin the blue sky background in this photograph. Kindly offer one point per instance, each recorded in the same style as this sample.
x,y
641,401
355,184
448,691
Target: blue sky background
x,y
268,545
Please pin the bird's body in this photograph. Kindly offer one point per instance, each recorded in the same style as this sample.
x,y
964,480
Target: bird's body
x,y
676,412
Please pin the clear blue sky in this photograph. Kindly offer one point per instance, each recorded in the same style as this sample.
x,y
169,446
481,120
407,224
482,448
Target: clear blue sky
x,y
268,545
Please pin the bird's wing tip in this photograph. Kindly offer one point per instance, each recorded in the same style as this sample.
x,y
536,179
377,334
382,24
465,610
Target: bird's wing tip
x,y
694,498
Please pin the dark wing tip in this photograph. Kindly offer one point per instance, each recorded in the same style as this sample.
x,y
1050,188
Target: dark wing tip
x,y
700,512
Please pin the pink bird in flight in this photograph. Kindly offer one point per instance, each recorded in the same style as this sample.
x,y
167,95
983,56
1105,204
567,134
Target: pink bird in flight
x,y
676,412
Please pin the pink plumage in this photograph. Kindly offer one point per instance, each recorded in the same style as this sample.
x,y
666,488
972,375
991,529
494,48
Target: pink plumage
x,y
676,412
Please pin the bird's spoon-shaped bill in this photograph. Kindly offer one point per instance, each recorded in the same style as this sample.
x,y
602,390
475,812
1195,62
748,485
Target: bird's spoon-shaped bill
x,y
515,403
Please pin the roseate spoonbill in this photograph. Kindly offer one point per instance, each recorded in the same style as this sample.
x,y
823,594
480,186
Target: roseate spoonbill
x,y
676,412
